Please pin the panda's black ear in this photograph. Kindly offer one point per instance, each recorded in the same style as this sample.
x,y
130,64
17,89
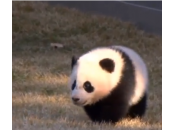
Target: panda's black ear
x,y
107,64
74,61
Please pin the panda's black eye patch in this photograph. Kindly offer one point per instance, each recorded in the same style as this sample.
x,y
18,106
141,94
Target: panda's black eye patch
x,y
73,85
88,87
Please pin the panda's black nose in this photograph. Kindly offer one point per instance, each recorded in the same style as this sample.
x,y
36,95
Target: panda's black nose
x,y
75,99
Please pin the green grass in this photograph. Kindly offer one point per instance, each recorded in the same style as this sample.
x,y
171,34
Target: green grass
x,y
40,73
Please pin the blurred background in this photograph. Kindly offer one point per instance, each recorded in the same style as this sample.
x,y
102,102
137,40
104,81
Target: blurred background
x,y
147,15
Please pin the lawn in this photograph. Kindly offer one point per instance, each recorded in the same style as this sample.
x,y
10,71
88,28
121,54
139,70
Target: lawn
x,y
41,98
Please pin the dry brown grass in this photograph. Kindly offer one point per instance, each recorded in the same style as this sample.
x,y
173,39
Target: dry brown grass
x,y
40,74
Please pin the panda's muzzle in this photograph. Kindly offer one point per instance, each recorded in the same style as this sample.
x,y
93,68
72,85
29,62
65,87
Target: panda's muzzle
x,y
75,99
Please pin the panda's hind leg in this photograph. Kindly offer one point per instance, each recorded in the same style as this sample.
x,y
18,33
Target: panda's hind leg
x,y
138,110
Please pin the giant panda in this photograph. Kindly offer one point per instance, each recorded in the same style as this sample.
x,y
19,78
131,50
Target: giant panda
x,y
110,83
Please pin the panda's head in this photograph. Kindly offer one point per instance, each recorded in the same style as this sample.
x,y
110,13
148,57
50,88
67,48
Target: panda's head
x,y
94,75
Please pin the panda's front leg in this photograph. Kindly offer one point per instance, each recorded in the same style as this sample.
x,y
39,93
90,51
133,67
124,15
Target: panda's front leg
x,y
106,113
94,112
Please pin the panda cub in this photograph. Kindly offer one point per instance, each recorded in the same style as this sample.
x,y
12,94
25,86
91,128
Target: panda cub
x,y
110,83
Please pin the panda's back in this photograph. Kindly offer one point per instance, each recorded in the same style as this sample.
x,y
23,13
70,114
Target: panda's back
x,y
141,74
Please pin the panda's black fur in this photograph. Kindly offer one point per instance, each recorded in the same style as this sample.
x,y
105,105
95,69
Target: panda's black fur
x,y
115,106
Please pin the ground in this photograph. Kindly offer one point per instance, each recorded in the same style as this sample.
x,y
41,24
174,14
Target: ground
x,y
40,73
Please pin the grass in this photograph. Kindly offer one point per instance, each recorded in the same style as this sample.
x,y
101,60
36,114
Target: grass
x,y
40,73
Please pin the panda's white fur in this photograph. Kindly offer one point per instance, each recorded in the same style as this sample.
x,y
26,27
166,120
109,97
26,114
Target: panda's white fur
x,y
87,68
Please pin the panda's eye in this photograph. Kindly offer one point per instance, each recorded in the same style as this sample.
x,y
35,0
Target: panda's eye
x,y
88,87
73,85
